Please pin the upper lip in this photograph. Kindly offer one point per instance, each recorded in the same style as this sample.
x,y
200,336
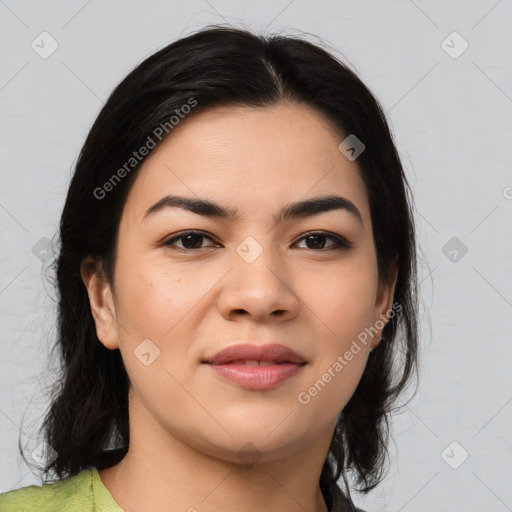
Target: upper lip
x,y
246,351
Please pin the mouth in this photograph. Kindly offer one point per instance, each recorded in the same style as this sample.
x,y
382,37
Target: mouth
x,y
253,362
256,377
256,367
247,354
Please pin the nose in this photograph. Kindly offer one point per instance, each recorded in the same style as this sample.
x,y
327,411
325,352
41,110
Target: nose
x,y
260,288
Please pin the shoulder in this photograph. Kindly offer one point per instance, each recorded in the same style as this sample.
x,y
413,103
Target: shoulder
x,y
74,494
347,506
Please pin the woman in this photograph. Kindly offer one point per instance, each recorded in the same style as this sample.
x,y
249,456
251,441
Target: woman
x,y
237,280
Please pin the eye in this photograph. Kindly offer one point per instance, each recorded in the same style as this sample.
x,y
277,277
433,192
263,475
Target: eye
x,y
315,238
191,240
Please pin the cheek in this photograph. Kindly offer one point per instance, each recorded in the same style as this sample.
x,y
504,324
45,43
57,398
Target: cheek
x,y
153,305
159,304
343,299
151,298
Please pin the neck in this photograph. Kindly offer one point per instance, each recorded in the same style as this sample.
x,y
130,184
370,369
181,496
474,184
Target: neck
x,y
163,472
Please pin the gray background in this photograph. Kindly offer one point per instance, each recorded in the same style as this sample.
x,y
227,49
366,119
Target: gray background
x,y
451,116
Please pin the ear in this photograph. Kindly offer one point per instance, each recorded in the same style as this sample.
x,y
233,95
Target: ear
x,y
384,301
101,301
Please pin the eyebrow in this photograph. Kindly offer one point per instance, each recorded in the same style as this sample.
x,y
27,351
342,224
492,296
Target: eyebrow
x,y
289,211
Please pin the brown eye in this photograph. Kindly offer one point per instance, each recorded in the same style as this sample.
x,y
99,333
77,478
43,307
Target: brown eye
x,y
191,240
316,241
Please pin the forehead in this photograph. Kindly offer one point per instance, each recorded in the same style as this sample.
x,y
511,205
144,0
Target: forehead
x,y
248,158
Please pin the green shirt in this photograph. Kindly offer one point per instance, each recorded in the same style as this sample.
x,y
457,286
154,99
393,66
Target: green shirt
x,y
84,492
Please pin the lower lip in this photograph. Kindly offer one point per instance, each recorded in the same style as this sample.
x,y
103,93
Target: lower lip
x,y
257,377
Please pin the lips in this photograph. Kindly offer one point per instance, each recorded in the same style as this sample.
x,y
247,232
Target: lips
x,y
255,355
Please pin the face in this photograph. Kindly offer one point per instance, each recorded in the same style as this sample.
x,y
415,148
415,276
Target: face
x,y
308,282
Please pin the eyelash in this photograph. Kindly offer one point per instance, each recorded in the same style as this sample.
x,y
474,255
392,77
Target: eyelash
x,y
340,243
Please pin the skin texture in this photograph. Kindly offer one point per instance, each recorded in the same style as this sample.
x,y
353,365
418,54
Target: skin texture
x,y
187,425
